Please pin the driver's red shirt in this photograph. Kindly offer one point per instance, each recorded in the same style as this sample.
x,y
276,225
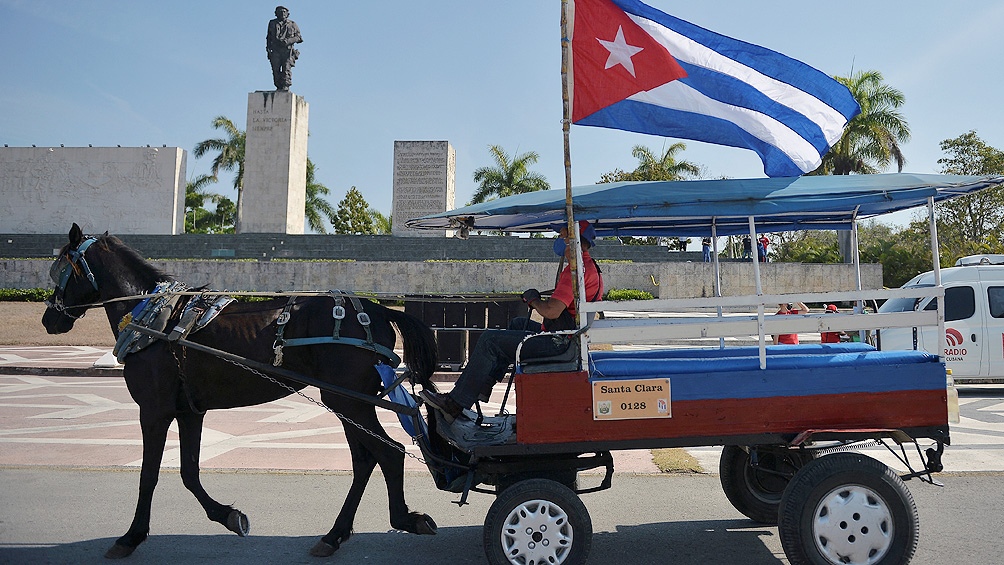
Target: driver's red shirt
x,y
594,284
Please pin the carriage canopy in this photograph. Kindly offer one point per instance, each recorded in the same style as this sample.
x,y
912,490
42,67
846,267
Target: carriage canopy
x,y
688,208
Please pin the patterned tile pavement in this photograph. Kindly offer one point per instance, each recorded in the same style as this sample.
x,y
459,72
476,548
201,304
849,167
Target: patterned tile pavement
x,y
48,418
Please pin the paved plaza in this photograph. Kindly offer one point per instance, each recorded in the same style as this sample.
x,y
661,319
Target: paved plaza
x,y
57,409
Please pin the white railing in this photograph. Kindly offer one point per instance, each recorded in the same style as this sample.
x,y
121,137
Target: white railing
x,y
655,322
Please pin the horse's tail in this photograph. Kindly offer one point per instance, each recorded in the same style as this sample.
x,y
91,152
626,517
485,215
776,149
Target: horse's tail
x,y
420,349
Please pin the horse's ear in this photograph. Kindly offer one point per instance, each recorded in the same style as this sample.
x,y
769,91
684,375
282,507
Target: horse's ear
x,y
106,234
76,235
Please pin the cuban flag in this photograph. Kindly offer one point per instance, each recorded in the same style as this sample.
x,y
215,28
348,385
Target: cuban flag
x,y
638,69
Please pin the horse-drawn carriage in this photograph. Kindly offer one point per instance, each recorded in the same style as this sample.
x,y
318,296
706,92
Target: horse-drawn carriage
x,y
789,417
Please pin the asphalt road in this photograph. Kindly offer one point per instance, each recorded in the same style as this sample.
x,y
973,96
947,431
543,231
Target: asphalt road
x,y
58,515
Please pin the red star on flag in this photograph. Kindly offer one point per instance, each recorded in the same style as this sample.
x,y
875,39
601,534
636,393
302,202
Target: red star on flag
x,y
613,58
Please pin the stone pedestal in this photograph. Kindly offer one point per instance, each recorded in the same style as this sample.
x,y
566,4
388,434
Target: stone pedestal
x,y
424,183
275,163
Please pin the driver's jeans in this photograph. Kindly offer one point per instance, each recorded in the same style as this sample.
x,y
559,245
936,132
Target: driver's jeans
x,y
490,359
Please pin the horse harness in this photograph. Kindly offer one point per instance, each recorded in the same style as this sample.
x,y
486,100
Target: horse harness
x,y
64,267
338,314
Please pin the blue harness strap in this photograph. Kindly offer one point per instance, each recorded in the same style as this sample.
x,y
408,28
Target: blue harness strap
x,y
338,314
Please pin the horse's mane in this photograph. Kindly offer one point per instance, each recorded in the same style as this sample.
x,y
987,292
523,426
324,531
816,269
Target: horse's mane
x,y
130,256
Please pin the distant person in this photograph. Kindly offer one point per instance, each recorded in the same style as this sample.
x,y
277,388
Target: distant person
x,y
830,337
747,247
761,253
786,309
765,243
282,34
706,249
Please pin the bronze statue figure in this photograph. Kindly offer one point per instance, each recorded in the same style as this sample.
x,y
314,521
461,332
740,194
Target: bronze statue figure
x,y
283,33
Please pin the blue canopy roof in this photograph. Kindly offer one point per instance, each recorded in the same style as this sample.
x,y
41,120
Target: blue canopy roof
x,y
688,208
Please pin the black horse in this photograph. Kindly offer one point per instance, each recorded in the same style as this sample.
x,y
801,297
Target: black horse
x,y
171,382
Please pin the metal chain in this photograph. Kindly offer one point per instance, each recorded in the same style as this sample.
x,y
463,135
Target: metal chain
x,y
340,416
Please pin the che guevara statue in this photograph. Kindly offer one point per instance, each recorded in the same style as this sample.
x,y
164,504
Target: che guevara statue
x,y
283,34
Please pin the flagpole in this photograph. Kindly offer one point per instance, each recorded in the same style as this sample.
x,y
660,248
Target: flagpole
x,y
576,257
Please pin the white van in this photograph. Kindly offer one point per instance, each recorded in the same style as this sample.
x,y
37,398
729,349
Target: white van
x,y
974,318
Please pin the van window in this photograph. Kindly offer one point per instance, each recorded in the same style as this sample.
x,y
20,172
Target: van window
x,y
995,298
901,304
960,303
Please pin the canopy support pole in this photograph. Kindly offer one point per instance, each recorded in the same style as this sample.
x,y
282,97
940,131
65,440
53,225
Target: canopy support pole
x,y
936,257
578,276
718,273
759,293
856,260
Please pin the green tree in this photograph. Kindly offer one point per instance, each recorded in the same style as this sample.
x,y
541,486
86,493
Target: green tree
x,y
352,215
511,176
230,156
650,167
974,223
871,141
317,209
382,224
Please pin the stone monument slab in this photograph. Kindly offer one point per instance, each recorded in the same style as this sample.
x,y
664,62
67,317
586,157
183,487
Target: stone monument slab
x,y
125,190
424,183
275,163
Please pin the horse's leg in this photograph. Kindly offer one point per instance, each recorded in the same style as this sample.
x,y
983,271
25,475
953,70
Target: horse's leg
x,y
389,454
154,437
190,438
363,464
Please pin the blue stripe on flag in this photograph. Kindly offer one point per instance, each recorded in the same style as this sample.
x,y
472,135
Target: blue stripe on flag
x,y
645,118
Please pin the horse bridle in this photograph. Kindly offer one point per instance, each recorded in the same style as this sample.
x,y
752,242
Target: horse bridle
x,y
63,268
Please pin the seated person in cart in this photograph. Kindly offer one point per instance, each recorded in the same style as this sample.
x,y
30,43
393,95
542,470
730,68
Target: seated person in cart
x,y
496,349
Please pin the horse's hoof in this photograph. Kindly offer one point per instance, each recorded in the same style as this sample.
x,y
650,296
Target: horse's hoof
x,y
322,549
118,551
426,525
238,523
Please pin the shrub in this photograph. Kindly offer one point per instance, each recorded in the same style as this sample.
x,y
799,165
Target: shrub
x,y
627,294
24,294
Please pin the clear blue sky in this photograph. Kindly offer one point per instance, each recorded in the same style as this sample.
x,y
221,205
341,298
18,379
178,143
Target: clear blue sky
x,y
472,72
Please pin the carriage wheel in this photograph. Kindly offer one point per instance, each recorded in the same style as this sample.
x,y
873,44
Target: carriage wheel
x,y
848,508
537,521
755,490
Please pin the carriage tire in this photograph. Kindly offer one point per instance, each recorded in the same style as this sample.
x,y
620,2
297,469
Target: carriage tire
x,y
537,521
848,508
756,490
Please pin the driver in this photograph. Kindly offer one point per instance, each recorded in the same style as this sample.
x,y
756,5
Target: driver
x,y
496,349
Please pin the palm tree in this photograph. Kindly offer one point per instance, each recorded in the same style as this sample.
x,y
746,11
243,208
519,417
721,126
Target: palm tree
x,y
382,224
195,200
665,167
230,157
509,177
315,205
871,140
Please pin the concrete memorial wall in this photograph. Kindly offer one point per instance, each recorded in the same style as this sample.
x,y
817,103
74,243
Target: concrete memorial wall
x,y
125,190
424,183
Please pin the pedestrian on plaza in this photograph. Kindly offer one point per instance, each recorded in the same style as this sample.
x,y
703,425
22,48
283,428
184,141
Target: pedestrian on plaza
x,y
788,309
747,247
764,244
706,249
831,337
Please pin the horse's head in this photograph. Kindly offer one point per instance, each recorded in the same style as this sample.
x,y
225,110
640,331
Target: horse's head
x,y
75,284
